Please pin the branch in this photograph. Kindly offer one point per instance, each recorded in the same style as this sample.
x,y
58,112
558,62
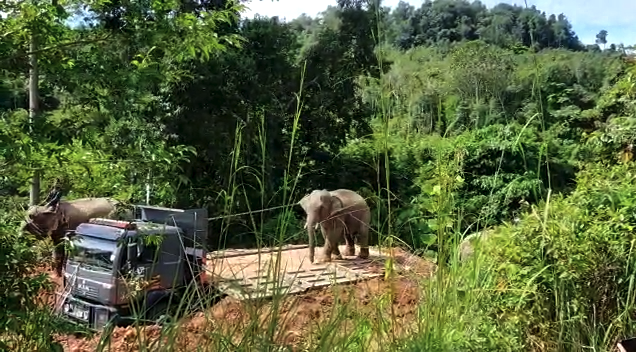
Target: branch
x,y
58,46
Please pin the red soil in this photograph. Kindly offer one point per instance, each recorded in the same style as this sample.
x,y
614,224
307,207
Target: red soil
x,y
297,315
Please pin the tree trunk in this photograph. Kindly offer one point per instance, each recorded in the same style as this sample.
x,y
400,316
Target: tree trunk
x,y
34,196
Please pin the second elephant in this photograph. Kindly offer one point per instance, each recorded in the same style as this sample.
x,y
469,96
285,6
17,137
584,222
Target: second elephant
x,y
54,219
339,213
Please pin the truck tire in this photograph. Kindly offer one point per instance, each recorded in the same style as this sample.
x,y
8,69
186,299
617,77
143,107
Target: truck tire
x,y
158,312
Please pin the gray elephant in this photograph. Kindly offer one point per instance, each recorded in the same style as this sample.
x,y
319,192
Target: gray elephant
x,y
468,244
340,212
57,217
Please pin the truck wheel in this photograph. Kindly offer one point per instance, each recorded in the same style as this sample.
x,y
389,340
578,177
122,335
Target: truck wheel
x,y
158,312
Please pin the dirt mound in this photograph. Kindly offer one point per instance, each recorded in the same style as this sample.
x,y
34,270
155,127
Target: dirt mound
x,y
295,317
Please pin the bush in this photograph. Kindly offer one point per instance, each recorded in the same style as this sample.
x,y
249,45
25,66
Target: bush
x,y
563,278
26,323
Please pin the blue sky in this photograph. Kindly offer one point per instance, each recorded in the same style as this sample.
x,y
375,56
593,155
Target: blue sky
x,y
615,16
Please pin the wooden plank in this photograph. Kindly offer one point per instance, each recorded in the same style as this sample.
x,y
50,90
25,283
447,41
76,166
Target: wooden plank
x,y
235,252
251,274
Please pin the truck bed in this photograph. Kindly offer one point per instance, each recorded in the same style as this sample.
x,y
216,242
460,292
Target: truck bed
x,y
250,274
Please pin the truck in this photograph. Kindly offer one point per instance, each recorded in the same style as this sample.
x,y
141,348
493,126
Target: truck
x,y
162,249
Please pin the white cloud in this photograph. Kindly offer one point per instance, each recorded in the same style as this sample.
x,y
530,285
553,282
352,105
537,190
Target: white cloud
x,y
615,16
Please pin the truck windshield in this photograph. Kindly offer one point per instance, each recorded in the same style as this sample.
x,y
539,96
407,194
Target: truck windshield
x,y
94,252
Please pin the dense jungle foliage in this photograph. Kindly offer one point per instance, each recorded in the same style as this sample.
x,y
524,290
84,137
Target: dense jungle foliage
x,y
450,118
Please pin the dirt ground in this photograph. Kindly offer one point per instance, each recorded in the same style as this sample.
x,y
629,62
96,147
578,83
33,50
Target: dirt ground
x,y
297,314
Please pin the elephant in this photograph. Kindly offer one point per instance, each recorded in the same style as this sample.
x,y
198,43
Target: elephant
x,y
468,244
57,217
337,212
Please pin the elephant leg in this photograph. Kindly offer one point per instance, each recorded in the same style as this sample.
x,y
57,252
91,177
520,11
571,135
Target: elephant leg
x,y
351,249
327,249
334,238
59,253
363,241
326,252
336,251
58,259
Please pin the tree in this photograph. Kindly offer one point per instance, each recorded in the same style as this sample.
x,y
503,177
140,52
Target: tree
x,y
148,57
601,38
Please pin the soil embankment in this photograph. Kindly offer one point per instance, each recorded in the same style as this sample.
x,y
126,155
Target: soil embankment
x,y
297,315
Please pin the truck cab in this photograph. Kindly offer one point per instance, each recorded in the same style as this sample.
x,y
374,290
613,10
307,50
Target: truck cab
x,y
123,270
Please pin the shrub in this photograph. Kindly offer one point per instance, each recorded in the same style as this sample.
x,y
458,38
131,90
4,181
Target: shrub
x,y
564,276
26,323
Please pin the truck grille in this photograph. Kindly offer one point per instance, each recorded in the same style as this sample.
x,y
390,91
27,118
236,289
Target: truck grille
x,y
89,292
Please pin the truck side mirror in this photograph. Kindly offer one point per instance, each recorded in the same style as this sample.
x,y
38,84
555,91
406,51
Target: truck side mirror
x,y
131,253
140,248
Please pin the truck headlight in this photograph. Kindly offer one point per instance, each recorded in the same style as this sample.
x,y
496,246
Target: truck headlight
x,y
102,316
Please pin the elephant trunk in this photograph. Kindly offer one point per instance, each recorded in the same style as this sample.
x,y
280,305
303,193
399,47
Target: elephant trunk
x,y
32,228
311,230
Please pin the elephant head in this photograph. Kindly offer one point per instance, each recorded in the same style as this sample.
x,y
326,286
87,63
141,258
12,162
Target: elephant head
x,y
319,206
55,218
41,220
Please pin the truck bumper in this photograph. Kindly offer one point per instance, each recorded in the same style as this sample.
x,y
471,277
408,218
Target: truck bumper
x,y
96,316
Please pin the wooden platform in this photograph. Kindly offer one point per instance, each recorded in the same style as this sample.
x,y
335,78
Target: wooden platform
x,y
251,274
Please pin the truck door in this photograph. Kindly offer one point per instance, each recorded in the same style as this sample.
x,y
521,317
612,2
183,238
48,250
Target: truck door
x,y
149,265
161,263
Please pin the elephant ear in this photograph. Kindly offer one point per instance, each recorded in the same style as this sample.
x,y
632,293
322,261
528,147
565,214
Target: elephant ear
x,y
335,204
304,203
328,202
58,213
62,217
